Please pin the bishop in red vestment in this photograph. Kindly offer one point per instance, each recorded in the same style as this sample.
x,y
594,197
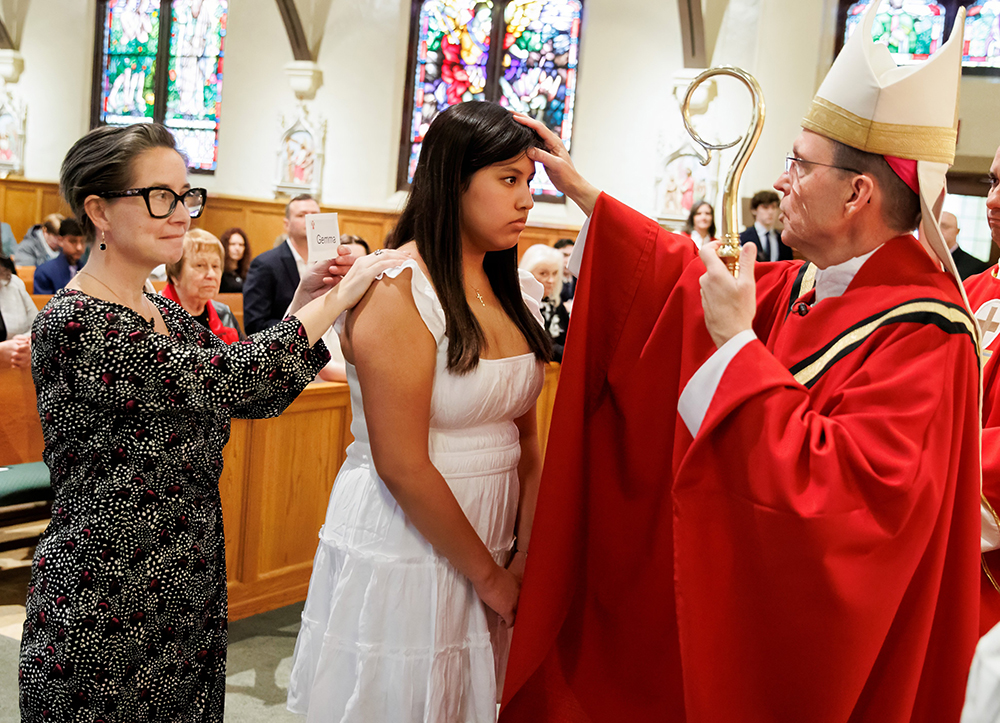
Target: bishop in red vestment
x,y
761,497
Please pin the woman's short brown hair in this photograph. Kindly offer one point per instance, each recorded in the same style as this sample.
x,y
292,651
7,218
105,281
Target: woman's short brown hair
x,y
196,241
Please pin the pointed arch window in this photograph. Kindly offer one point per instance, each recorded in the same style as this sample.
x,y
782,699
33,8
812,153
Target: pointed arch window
x,y
523,54
914,29
162,61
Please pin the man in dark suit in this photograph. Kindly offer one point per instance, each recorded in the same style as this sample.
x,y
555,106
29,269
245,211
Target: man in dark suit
x,y
274,275
565,246
967,264
764,207
55,273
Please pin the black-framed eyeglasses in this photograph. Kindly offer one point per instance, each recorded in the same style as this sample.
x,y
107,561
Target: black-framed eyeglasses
x,y
791,160
161,201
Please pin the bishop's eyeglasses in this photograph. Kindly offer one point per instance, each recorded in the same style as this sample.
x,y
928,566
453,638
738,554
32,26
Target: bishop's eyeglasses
x,y
791,160
161,201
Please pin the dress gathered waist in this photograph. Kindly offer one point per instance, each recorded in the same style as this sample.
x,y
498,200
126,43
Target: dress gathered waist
x,y
456,453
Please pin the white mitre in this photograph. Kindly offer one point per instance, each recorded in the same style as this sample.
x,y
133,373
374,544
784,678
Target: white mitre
x,y
908,112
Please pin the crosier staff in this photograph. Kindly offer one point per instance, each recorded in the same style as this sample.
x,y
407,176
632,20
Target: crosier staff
x,y
729,250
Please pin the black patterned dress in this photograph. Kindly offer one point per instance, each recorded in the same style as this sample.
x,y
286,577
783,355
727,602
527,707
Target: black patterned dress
x,y
126,611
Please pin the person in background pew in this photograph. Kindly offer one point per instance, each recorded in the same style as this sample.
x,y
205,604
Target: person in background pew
x,y
545,263
565,247
700,224
17,311
359,246
272,276
238,258
56,273
8,242
126,610
41,243
194,283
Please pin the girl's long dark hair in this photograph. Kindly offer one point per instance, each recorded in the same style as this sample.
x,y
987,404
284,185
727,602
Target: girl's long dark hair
x,y
462,140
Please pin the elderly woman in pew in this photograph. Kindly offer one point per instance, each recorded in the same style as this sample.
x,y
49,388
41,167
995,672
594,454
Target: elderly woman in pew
x,y
193,282
17,311
126,610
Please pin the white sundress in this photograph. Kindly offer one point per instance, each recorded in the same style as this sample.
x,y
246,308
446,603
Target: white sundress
x,y
391,632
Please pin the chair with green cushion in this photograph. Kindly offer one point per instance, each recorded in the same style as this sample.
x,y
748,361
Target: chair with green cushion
x,y
25,494
24,483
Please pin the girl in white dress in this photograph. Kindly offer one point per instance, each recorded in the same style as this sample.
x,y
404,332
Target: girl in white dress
x,y
417,573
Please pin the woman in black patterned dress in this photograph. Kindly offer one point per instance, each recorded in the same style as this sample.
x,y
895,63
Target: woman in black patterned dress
x,y
126,610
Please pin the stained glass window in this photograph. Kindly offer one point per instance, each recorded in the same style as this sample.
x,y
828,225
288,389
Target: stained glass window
x,y
190,43
539,67
534,72
453,47
131,38
982,35
913,29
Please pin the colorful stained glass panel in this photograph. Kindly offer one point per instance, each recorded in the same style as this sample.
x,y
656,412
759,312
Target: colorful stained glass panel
x,y
194,87
541,48
982,35
912,29
453,45
131,35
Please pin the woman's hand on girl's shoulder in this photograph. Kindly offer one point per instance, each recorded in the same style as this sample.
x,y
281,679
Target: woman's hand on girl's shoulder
x,y
365,270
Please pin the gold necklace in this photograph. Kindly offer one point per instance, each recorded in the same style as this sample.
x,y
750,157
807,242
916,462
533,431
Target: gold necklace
x,y
115,294
479,296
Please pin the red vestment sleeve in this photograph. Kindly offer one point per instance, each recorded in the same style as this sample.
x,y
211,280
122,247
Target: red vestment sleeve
x,y
983,291
630,266
802,579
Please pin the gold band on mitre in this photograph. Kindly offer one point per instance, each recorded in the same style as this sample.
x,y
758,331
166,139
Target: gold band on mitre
x,y
917,143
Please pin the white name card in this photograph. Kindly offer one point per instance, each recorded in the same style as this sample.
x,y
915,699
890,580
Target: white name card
x,y
323,235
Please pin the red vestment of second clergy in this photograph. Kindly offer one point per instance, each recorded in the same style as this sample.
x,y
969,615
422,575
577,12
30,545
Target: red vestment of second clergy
x,y
811,554
983,291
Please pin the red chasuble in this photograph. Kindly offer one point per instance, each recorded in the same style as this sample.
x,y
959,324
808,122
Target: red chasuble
x,y
812,555
983,291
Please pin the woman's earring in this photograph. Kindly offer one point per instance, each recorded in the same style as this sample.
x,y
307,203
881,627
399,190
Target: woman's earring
x,y
104,246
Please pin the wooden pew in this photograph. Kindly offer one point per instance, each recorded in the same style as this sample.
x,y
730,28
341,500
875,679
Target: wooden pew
x,y
40,300
27,275
20,428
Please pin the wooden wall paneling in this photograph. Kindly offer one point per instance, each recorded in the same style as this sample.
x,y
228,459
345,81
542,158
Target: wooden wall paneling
x,y
264,226
52,202
371,230
218,221
22,207
232,489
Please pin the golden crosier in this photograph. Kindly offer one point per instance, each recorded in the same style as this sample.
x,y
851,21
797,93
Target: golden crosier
x,y
729,251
